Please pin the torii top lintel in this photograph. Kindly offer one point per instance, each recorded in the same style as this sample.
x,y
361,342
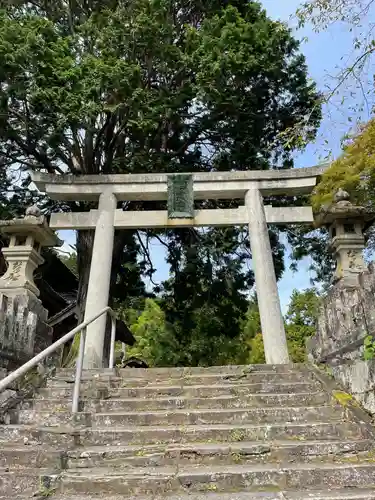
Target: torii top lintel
x,y
210,185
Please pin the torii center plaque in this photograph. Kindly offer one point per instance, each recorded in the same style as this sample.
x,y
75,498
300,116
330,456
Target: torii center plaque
x,y
180,196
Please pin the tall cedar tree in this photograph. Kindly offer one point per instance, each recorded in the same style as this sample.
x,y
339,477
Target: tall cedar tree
x,y
130,86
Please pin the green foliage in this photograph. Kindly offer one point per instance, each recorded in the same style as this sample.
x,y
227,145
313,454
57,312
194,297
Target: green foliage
x,y
250,326
250,347
70,359
156,343
155,86
159,342
303,308
256,348
353,171
369,348
301,321
205,298
146,85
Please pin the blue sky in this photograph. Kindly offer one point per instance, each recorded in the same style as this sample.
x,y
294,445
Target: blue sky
x,y
323,52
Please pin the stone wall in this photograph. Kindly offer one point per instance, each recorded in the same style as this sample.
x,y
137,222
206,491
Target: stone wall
x,y
358,378
23,329
346,318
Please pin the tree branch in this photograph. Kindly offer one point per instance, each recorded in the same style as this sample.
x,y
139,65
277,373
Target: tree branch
x,y
147,255
350,71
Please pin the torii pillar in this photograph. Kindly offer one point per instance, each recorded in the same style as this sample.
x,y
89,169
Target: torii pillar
x,y
271,318
99,282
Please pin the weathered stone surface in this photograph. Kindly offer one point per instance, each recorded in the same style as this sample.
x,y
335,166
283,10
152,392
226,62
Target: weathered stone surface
x,y
169,403
6,395
358,378
125,457
180,196
260,495
196,391
202,218
182,372
100,274
25,481
203,417
192,379
217,478
346,318
180,417
273,329
30,456
283,495
219,433
23,329
212,185
228,443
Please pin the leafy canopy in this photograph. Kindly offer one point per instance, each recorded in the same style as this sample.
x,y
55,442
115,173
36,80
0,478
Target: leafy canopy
x,y
155,342
144,85
159,342
98,87
353,171
301,320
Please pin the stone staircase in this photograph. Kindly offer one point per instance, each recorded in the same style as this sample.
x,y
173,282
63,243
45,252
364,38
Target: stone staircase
x,y
220,433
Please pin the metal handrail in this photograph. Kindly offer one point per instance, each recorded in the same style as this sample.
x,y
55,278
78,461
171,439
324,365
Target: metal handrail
x,y
7,381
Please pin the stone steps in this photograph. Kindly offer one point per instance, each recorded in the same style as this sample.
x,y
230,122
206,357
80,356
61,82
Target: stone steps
x,y
218,453
175,402
39,456
219,433
269,478
194,379
21,481
183,417
198,391
285,495
178,372
85,436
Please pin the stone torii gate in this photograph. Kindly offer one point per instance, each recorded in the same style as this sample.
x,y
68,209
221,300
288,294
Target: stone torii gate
x,y
250,186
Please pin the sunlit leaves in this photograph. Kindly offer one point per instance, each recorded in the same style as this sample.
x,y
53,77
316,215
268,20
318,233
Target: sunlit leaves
x,y
353,171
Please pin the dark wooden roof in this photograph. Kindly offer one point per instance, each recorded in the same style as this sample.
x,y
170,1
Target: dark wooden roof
x,y
58,285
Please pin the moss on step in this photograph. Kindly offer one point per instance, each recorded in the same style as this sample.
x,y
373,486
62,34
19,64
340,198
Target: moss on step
x,y
238,435
344,398
209,487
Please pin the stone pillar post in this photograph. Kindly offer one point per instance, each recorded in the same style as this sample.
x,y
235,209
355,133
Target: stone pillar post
x,y
99,282
272,322
23,320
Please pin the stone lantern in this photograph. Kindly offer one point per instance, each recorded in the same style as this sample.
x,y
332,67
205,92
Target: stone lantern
x,y
346,223
23,319
23,255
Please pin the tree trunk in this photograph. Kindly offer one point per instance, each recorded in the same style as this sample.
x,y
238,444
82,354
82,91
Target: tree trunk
x,y
85,242
121,238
